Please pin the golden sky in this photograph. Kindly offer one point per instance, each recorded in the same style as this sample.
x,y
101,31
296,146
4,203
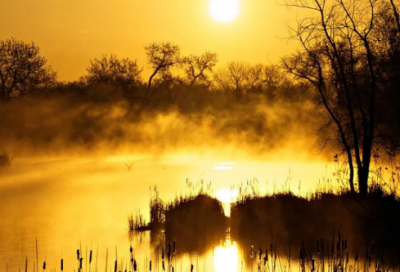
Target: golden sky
x,y
71,32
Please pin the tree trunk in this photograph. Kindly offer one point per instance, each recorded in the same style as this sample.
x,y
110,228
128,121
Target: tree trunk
x,y
363,181
351,177
363,170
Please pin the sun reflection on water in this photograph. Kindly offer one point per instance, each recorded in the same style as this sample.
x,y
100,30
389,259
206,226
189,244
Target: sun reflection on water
x,y
226,257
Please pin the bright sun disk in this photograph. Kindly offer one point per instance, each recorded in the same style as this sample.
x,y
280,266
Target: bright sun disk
x,y
224,10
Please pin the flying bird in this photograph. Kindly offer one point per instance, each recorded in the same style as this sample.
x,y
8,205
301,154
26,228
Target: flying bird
x,y
129,166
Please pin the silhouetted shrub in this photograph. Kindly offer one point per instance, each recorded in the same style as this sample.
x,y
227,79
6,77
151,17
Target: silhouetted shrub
x,y
291,220
195,222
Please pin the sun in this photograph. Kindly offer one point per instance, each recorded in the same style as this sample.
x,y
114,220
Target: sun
x,y
224,10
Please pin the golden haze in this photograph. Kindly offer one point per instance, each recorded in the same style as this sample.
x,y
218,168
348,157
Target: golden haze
x,y
70,33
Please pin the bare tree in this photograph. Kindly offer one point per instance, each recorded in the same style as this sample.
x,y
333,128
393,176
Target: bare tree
x,y
197,69
241,79
395,14
340,58
255,78
161,57
234,79
273,79
22,68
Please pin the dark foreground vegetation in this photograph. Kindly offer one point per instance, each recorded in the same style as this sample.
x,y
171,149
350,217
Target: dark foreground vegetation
x,y
166,257
197,221
288,221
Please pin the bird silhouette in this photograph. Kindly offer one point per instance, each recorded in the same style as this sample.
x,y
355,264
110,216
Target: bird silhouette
x,y
129,166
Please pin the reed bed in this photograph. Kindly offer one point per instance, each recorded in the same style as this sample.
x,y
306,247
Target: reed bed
x,y
295,220
338,256
325,231
196,219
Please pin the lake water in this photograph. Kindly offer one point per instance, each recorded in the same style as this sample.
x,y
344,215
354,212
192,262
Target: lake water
x,y
74,203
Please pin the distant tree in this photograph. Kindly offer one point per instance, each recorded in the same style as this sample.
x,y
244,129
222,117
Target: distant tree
x,y
244,81
255,78
63,88
22,69
113,71
197,69
234,79
161,57
274,80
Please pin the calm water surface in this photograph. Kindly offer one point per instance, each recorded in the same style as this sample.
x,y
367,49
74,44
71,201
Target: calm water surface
x,y
71,203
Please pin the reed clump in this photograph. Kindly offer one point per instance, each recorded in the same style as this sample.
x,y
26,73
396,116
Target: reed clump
x,y
196,221
157,210
136,221
195,218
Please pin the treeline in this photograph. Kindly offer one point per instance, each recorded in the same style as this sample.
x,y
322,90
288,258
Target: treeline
x,y
184,82
185,101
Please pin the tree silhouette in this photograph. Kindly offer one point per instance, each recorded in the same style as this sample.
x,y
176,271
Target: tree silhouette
x,y
234,79
343,51
240,79
161,57
22,69
255,78
196,69
111,70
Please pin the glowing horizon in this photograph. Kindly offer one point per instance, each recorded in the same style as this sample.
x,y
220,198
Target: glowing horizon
x,y
71,33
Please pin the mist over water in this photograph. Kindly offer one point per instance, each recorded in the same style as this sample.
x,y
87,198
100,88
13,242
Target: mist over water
x,y
79,170
76,176
67,202
73,127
